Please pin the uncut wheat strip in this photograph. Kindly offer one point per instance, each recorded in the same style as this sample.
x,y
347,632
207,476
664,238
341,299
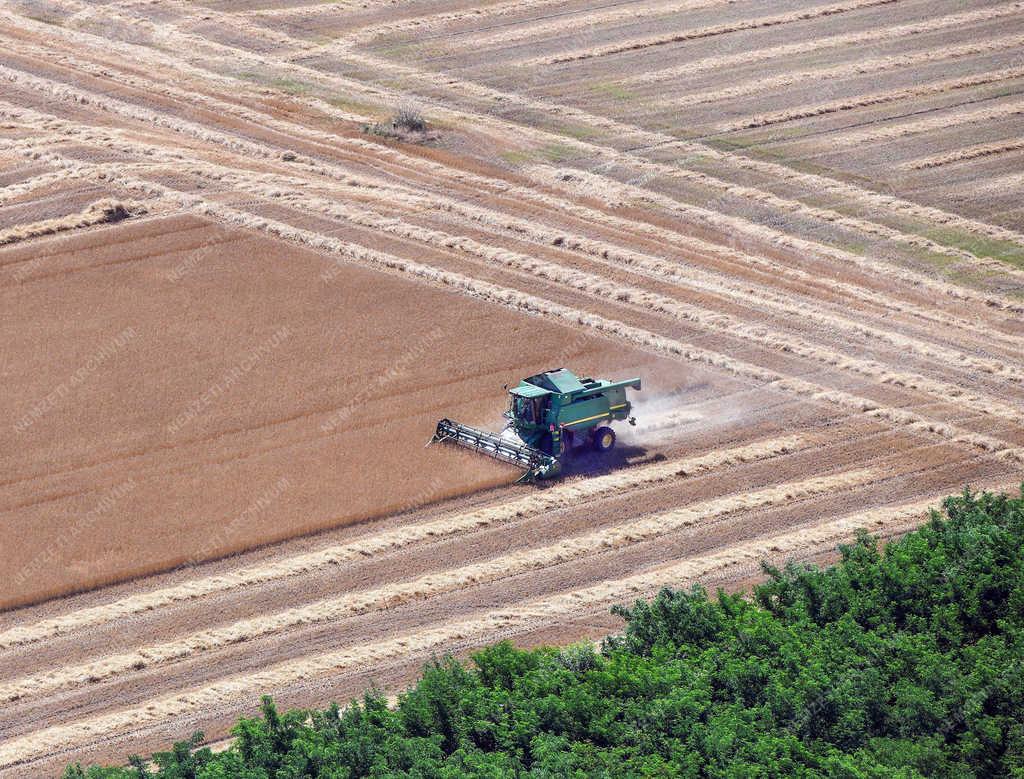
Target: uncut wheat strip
x,y
517,300
990,300
564,495
904,129
863,101
759,86
99,212
347,252
429,585
602,288
720,62
816,183
803,542
696,33
965,154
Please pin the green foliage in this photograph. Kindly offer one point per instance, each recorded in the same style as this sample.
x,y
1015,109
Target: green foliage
x,y
905,662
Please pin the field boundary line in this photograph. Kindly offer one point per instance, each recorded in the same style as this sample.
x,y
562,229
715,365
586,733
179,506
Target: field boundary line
x,y
102,211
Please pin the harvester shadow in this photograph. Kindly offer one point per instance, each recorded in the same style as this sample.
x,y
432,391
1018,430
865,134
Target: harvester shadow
x,y
586,462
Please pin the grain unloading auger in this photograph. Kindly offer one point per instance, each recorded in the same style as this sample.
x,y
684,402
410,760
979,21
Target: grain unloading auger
x,y
548,415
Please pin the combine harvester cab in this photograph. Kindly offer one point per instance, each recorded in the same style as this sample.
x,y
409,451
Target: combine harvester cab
x,y
548,415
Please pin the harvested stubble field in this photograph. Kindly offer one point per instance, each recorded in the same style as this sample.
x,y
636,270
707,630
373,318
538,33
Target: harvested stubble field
x,y
231,318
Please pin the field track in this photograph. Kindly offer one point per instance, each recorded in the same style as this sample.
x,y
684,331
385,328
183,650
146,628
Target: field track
x,y
232,317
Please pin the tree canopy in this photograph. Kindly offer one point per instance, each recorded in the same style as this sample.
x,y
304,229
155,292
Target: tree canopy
x,y
897,662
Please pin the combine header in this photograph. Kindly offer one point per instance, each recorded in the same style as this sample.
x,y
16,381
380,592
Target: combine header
x,y
548,415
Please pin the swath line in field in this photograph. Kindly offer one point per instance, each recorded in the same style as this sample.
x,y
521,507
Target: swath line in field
x,y
101,212
864,101
965,154
874,35
759,86
647,42
430,585
788,174
904,129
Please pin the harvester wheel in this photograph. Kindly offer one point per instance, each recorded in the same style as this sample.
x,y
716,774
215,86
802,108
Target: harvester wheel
x,y
604,439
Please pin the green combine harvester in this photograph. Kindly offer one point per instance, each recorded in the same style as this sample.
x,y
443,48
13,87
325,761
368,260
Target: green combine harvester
x,y
548,415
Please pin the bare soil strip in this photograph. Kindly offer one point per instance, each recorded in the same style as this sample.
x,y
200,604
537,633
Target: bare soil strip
x,y
558,607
